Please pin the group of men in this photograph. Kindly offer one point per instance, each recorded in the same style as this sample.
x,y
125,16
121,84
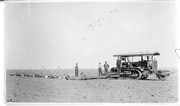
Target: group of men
x,y
100,69
106,67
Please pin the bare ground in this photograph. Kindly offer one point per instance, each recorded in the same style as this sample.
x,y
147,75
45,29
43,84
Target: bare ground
x,y
27,89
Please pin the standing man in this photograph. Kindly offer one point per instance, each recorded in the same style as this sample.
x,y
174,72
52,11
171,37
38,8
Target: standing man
x,y
76,70
106,66
100,68
118,64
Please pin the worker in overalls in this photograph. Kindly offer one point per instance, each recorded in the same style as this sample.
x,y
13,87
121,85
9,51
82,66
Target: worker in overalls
x,y
76,70
106,66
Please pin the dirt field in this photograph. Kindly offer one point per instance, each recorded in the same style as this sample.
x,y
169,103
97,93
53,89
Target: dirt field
x,y
30,89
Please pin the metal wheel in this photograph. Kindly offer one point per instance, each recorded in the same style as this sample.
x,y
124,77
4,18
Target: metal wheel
x,y
162,77
144,76
136,74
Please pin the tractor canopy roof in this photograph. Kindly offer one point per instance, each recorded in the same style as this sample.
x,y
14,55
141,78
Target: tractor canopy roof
x,y
137,54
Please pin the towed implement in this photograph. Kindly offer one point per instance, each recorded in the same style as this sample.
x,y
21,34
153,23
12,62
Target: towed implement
x,y
137,66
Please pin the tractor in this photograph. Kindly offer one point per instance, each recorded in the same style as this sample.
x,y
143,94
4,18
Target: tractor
x,y
137,66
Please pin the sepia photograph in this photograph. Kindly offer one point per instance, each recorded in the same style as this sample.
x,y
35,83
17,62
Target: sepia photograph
x,y
91,52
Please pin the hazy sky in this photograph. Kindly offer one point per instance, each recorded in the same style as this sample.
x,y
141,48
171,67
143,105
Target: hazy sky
x,y
51,34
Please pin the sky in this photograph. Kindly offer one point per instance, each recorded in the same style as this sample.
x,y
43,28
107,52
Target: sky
x,y
61,34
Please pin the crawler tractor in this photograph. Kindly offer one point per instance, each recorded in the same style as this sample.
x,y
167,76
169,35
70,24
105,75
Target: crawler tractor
x,y
137,66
